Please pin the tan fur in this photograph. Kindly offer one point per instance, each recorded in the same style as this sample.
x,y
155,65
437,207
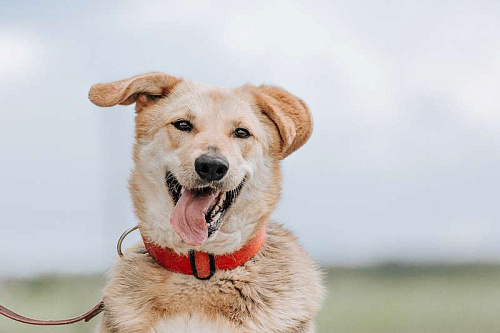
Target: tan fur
x,y
280,289
291,115
127,91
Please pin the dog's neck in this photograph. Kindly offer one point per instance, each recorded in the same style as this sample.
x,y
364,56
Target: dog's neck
x,y
203,265
229,238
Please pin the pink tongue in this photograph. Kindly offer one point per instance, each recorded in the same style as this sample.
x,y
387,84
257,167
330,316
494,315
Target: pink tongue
x,y
188,216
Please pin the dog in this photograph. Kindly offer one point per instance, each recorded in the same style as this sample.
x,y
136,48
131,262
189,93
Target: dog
x,y
206,178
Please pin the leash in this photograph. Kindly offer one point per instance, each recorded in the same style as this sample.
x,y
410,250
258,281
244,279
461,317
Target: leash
x,y
86,317
98,308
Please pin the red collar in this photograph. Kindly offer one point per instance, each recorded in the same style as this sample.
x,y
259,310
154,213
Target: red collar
x,y
201,264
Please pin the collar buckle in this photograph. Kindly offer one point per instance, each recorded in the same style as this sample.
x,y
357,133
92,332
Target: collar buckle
x,y
192,260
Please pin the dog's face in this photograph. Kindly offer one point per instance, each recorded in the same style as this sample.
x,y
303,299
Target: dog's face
x,y
206,159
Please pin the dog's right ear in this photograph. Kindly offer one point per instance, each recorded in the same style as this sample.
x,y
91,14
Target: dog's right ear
x,y
289,113
142,89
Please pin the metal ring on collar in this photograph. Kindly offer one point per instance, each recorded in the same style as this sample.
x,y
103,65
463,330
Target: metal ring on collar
x,y
122,237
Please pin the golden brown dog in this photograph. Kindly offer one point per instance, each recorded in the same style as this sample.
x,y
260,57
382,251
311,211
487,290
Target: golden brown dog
x,y
206,178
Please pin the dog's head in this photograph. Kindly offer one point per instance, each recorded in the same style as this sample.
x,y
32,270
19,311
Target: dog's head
x,y
206,159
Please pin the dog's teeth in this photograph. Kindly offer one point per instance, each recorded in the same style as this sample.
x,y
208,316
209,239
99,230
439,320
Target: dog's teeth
x,y
182,190
214,211
222,198
214,217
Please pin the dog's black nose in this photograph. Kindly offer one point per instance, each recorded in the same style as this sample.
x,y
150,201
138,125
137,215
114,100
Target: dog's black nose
x,y
210,167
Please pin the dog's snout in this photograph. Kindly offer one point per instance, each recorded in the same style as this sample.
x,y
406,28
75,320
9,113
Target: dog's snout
x,y
210,167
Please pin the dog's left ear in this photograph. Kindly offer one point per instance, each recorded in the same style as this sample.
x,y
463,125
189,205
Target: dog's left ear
x,y
290,114
142,89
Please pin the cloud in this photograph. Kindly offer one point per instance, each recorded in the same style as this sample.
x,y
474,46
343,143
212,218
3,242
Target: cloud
x,y
20,54
480,96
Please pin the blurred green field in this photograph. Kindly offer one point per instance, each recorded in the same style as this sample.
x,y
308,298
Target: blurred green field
x,y
383,299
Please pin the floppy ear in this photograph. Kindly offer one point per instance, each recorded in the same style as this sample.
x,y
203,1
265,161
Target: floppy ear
x,y
142,89
290,114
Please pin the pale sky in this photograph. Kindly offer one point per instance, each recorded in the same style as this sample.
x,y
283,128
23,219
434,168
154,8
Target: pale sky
x,y
403,165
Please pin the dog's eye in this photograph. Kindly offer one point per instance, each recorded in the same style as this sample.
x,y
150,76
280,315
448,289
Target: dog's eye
x,y
183,125
241,133
154,97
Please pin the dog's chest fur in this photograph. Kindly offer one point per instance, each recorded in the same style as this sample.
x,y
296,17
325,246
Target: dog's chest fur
x,y
279,290
193,323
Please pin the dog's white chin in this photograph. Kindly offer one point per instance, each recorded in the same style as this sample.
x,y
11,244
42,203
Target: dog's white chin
x,y
230,237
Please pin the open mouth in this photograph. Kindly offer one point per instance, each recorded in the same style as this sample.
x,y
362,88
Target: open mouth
x,y
198,212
